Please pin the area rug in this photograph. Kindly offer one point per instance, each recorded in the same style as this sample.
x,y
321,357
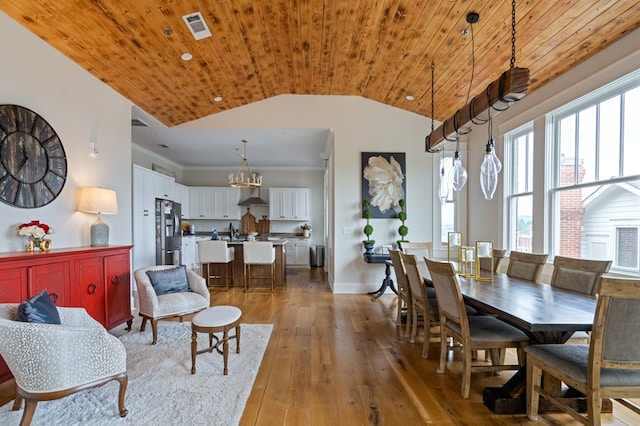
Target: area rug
x,y
162,390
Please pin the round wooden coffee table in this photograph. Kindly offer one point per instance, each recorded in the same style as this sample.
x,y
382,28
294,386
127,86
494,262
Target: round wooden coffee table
x,y
217,319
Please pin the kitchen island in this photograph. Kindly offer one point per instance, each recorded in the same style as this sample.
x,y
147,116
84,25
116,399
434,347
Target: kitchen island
x,y
238,262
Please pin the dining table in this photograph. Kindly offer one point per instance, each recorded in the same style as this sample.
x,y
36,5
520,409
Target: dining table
x,y
546,314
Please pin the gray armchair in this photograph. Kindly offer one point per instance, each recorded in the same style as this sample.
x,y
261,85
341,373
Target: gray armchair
x,y
155,308
51,361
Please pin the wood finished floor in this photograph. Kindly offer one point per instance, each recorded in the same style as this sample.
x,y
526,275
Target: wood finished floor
x,y
339,360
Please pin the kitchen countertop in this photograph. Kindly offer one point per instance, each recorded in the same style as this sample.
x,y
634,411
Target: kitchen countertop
x,y
271,237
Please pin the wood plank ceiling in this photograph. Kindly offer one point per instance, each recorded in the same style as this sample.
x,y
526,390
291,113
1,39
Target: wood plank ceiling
x,y
378,49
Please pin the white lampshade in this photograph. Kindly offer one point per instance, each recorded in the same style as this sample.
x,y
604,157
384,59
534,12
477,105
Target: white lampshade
x,y
98,200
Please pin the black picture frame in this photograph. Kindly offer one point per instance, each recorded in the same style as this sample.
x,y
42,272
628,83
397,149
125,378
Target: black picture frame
x,y
398,157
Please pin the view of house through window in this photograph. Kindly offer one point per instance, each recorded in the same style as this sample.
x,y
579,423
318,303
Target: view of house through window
x,y
519,189
596,186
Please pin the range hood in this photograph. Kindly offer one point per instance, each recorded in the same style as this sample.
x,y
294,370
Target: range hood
x,y
254,199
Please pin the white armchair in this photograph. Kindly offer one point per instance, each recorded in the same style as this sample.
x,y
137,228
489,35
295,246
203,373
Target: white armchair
x,y
155,308
51,361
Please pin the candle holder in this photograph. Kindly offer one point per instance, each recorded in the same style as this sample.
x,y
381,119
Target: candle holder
x,y
484,261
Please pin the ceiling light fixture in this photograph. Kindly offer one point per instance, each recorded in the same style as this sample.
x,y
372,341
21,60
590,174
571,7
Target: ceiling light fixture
x,y
245,178
409,97
512,86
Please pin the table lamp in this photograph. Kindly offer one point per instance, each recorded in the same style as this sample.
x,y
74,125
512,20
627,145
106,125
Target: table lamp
x,y
101,201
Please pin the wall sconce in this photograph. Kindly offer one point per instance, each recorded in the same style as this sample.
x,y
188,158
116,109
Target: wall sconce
x,y
101,201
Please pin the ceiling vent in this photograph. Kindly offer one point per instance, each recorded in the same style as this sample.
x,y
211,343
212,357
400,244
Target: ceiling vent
x,y
197,26
136,122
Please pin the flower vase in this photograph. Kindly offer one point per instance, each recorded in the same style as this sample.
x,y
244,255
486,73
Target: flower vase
x,y
38,243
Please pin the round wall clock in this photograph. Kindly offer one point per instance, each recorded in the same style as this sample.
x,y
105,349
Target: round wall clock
x,y
33,164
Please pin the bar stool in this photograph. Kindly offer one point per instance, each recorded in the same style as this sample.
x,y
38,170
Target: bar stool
x,y
259,253
216,252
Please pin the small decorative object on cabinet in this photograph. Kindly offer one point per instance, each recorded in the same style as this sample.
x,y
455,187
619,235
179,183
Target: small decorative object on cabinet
x,y
306,229
368,229
35,232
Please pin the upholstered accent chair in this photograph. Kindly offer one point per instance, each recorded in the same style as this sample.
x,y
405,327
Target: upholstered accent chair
x,y
216,252
609,367
580,275
154,307
480,332
51,361
526,266
404,292
421,303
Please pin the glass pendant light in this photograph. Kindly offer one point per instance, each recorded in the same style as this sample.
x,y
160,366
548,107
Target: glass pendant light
x,y
488,174
457,174
494,157
443,187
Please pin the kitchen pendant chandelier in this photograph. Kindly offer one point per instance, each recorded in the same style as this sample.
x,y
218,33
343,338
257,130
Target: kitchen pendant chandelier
x,y
245,178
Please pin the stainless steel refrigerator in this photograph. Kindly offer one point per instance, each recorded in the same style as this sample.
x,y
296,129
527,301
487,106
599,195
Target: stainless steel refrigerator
x,y
168,233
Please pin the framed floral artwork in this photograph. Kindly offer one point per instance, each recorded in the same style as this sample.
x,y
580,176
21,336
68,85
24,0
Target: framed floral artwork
x,y
384,182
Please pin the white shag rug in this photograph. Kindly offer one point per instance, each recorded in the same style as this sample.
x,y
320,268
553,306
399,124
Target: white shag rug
x,y
161,389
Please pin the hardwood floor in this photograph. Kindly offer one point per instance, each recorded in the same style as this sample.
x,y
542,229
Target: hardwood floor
x,y
339,360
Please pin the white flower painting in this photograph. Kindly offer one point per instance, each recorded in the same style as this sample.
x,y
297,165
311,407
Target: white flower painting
x,y
383,182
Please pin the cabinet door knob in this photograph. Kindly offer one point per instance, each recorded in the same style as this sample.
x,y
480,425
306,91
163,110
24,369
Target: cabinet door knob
x,y
91,288
115,280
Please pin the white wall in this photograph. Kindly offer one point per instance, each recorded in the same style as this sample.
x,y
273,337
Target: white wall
x,y
359,125
81,109
485,220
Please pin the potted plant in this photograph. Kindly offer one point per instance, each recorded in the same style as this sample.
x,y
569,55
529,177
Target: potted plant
x,y
368,229
403,230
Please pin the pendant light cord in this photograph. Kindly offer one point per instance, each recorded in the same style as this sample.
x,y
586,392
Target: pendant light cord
x,y
513,33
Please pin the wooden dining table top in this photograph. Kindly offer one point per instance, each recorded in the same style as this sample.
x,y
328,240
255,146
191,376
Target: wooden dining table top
x,y
547,314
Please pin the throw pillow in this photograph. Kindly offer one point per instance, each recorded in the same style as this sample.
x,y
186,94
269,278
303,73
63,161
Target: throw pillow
x,y
173,280
39,309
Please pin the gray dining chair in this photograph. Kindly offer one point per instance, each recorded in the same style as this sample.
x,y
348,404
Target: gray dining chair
x,y
473,333
526,266
580,275
498,255
609,367
421,303
404,292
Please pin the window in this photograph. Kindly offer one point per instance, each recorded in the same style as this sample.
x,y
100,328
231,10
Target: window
x,y
595,176
447,210
519,188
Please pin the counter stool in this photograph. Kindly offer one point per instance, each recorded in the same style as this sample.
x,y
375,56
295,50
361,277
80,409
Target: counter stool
x,y
217,319
216,252
260,253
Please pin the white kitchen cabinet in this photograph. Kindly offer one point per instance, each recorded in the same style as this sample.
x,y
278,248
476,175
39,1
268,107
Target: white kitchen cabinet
x,y
214,203
297,253
144,213
182,197
289,203
164,186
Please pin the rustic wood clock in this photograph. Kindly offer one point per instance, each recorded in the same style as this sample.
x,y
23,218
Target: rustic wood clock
x,y
33,164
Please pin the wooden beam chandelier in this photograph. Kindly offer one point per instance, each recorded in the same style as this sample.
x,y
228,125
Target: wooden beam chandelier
x,y
512,86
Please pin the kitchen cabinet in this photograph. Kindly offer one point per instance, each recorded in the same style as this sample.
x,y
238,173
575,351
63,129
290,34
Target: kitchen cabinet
x,y
164,186
298,253
214,203
144,213
182,197
95,278
289,204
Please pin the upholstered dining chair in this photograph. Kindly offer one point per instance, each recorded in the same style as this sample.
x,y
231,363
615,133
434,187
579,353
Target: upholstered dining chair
x,y
260,253
526,266
580,275
609,367
498,255
216,252
420,303
404,292
51,361
167,291
480,332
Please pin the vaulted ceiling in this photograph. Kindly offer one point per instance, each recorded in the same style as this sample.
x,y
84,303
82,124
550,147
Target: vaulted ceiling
x,y
381,49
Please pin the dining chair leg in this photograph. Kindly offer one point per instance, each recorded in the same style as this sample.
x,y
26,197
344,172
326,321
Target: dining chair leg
x,y
414,326
444,350
466,374
427,335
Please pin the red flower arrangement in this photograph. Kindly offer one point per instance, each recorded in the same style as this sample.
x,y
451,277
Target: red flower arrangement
x,y
34,229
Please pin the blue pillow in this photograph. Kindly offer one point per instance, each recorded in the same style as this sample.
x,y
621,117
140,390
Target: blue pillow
x,y
167,281
39,309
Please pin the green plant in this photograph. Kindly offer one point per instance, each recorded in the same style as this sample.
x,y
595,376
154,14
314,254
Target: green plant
x,y
368,228
403,230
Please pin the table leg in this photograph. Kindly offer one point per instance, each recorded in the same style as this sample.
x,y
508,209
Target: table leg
x,y
386,282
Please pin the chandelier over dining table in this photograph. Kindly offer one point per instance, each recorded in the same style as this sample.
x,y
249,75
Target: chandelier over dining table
x,y
245,178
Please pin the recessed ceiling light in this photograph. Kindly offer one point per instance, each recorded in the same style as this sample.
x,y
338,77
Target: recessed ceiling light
x,y
186,56
167,31
217,98
409,97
